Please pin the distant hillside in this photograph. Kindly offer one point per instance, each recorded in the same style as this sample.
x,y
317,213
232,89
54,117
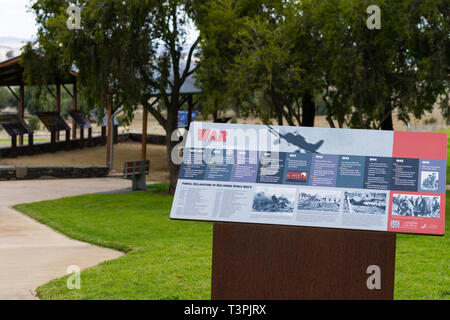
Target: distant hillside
x,y
10,47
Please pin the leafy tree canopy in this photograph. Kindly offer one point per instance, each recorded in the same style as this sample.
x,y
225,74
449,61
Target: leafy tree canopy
x,y
124,53
274,58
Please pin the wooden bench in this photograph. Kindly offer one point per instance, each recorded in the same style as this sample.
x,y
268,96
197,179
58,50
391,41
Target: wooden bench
x,y
137,171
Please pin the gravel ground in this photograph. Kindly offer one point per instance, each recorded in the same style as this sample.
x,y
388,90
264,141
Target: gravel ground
x,y
96,156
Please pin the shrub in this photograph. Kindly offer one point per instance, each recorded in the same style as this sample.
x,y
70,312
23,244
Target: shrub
x,y
34,123
430,121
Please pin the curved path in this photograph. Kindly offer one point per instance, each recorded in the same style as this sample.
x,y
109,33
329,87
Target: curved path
x,y
31,253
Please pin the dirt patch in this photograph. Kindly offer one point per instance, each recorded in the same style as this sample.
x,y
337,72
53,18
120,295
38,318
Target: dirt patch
x,y
96,156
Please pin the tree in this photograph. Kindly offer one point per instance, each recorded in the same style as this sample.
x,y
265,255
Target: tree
x,y
280,54
264,56
6,98
124,52
373,73
218,23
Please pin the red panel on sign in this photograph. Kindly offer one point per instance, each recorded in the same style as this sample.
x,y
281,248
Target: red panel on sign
x,y
297,176
416,212
422,145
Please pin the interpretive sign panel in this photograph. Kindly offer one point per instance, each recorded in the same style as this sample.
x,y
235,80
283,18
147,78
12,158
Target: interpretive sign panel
x,y
53,121
319,177
79,119
14,125
183,116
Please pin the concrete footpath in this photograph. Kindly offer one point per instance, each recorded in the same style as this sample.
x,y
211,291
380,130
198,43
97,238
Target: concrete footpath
x,y
31,253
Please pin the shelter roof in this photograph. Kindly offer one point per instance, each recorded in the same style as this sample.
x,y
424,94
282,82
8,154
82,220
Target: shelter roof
x,y
11,73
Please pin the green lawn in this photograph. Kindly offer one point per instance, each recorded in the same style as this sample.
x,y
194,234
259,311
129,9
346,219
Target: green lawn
x,y
169,259
165,259
25,140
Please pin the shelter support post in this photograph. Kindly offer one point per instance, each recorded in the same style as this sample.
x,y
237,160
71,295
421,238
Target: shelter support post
x,y
53,141
254,261
30,143
21,108
13,146
81,137
68,139
75,107
103,134
58,105
90,142
116,134
109,134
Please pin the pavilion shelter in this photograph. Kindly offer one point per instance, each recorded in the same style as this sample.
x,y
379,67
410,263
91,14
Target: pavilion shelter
x,y
187,91
11,75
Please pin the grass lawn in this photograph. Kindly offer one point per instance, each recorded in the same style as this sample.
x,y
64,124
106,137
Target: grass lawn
x,y
422,265
172,259
165,259
25,140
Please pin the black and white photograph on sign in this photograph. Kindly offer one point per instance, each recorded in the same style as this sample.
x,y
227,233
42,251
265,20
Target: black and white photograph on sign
x,y
268,199
319,200
429,180
416,205
364,202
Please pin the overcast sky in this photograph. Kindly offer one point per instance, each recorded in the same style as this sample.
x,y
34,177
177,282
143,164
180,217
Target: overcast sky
x,y
15,20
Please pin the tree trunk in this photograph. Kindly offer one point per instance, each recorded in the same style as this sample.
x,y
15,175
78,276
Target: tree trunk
x,y
174,169
386,118
190,107
280,118
330,121
308,110
171,126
